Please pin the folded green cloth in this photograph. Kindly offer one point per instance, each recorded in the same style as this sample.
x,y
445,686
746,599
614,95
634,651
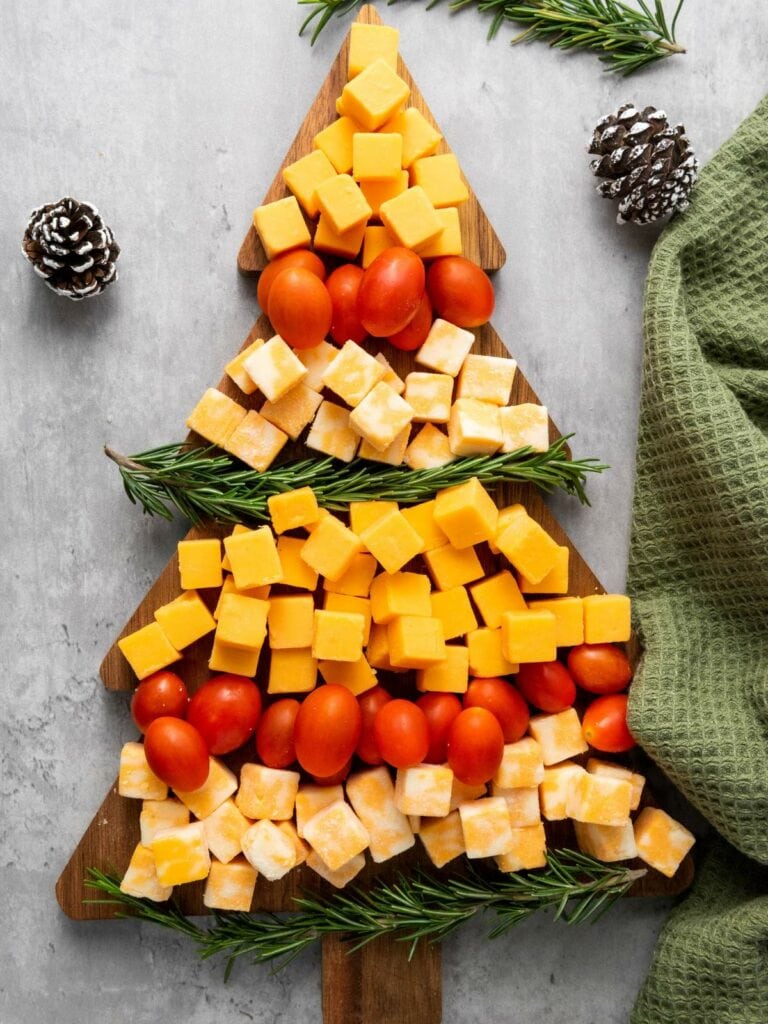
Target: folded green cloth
x,y
698,577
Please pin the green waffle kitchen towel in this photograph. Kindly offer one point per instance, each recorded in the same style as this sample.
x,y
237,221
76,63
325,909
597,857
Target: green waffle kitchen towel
x,y
698,577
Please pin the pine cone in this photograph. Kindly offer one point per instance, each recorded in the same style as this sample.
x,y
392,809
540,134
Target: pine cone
x,y
71,247
650,167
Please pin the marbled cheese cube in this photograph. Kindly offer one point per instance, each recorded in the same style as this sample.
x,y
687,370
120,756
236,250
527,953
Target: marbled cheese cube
x,y
368,43
374,95
466,514
528,546
185,619
661,841
524,426
242,622
599,800
381,416
311,798
486,657
218,787
136,779
422,519
443,838
300,847
140,878
527,850
230,886
353,373
215,417
269,850
357,580
555,581
424,789
304,175
234,368
440,177
486,826
292,671
486,378
529,636
392,541
569,618
181,854
522,804
462,792
280,226
344,244
296,572
376,156
224,829
159,814
415,641
595,766
522,765
429,449
429,395
559,735
316,361
608,843
399,593
607,618
454,610
148,650
254,558
474,428
267,792
336,834
341,876
291,621
445,348
448,241
390,377
337,636
555,787
336,142
239,661
420,138
496,595
332,434
393,454
357,676
291,413
275,368
453,567
373,800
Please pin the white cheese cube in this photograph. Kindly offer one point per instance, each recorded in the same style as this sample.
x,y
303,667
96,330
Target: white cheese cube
x,y
372,796
522,804
424,789
230,886
136,779
159,814
220,784
606,842
445,348
429,448
300,847
599,800
443,838
390,377
486,825
274,368
661,841
332,434
316,360
522,765
527,849
595,766
429,395
224,830
353,373
381,416
181,854
474,428
461,792
559,735
336,834
487,378
555,787
310,799
524,426
140,878
269,850
267,792
342,875
392,455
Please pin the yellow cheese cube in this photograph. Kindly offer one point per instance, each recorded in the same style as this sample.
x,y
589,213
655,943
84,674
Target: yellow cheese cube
x,y
392,541
440,177
275,368
316,361
368,43
528,849
136,779
376,156
304,175
661,841
342,203
528,636
331,433
608,843
312,798
374,95
345,244
528,547
270,851
215,417
394,452
254,559
348,603
296,572
353,373
199,563
225,563
411,218
292,671
454,610
429,449
443,838
390,377
147,650
419,137
376,193
522,765
424,789
445,348
616,771
291,621
496,595
234,368
266,793
453,567
185,619
448,242
363,514
429,395
399,593
292,509
373,800
522,804
181,854
555,787
554,582
449,676
357,580
242,622
300,847
474,428
422,519
237,660
466,514
140,878
377,651
607,618
159,814
293,411
280,226
356,676
486,378
224,829
336,142
486,826
486,657
462,793
506,517
336,834
599,800
218,787
230,886
338,636
331,548
341,876
256,441
524,426
569,619
381,416
415,642
559,735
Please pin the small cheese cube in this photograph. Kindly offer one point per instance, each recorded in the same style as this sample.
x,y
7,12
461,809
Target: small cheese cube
x,y
522,804
528,547
218,787
599,800
353,373
292,671
275,368
374,95
291,621
215,417
224,829
522,765
312,798
376,193
254,558
316,361
381,416
136,779
348,603
454,610
393,454
140,878
280,226
616,771
338,636
237,660
446,347
524,426
363,514
486,658
293,411
462,793
296,572
341,876
269,850
440,177
256,441
376,156
487,378
443,838
608,843
199,563
429,449
147,650
336,142
185,619
424,789
555,581
390,377
506,517
528,849
415,642
181,854
159,814
266,792
234,368
377,652
304,175
373,800
474,428
607,618
448,241
230,886
429,395
357,580
242,622
411,218
569,619
422,519
420,138
399,593
661,841
528,636
559,735
342,203
225,562
453,567
300,847
345,244
555,787
486,826
466,514
392,541
331,433
368,43
496,595
336,834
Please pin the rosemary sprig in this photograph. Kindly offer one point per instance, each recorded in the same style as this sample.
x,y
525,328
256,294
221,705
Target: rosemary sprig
x,y
627,37
415,907
204,484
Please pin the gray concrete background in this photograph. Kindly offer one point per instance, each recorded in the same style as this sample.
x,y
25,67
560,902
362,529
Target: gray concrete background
x,y
172,119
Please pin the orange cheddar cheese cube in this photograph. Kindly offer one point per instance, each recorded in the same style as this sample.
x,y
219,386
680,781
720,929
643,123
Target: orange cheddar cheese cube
x,y
199,563
363,514
554,582
159,814
661,841
392,541
559,735
292,509
292,671
486,378
218,787
486,656
376,156
368,43
596,766
242,622
330,548
240,661
224,829
316,361
429,396
424,789
506,517
411,218
454,610
338,636
466,514
528,547
381,416
376,239
275,368
429,449
256,441
336,142
528,636
373,800
346,244
474,428
356,676
291,413
227,565
341,203
496,595
445,348
486,826
147,650
312,798
608,843
374,95
267,792
376,193
448,241
441,179
522,765
415,641
377,651
135,778
185,619
336,834
296,572
555,788
353,373
230,886
527,849
291,621
271,852
524,426
522,804
420,138
304,175
453,567
234,368
422,519
443,838
332,434
215,417
280,226
254,558
607,618
181,854
140,878
399,593
448,676
569,618
348,603
599,800
341,876
357,580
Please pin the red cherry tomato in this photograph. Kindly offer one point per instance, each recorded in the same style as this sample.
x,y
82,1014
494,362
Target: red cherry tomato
x,y
440,709
161,694
547,685
333,780
176,753
274,733
605,724
300,307
390,291
600,668
370,702
327,729
414,333
401,733
296,258
461,292
343,285
225,711
475,746
503,701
